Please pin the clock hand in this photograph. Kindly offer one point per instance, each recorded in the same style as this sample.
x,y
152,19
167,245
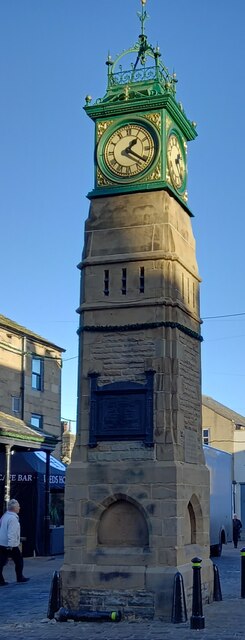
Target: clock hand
x,y
129,147
131,144
177,162
133,153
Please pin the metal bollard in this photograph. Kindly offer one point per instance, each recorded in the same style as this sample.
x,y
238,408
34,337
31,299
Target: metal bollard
x,y
87,616
217,588
243,572
179,611
197,620
54,595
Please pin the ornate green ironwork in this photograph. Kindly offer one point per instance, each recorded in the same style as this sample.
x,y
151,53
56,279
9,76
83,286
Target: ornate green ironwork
x,y
139,86
142,16
138,82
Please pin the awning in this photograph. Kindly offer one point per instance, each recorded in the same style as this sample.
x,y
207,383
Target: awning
x,y
20,436
25,467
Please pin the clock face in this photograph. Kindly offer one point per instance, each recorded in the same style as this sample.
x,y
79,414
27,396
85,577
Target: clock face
x,y
176,162
129,151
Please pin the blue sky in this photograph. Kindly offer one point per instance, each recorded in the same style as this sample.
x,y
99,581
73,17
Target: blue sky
x,y
52,53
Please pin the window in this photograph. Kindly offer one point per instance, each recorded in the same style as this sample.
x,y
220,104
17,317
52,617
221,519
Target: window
x,y
16,404
205,436
36,420
142,279
124,281
106,282
37,374
56,509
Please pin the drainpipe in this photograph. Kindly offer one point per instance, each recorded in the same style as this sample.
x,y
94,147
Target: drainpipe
x,y
234,496
7,475
23,372
46,512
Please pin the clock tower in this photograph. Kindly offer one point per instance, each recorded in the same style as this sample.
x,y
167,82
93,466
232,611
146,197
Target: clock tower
x,y
137,489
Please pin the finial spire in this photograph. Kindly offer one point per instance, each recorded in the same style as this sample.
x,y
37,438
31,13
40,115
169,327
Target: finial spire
x,y
143,15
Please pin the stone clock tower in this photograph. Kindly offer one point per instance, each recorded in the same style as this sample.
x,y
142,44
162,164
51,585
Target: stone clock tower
x,y
137,493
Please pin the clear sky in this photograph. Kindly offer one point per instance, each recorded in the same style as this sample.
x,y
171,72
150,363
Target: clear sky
x,y
52,53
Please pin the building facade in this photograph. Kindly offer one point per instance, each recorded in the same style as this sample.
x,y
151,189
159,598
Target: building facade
x,y
30,378
224,429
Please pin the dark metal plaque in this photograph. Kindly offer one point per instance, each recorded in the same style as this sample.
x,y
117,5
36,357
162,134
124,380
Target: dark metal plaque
x,y
121,411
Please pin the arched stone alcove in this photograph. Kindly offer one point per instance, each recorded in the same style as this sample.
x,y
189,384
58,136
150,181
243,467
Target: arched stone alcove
x,y
123,524
193,521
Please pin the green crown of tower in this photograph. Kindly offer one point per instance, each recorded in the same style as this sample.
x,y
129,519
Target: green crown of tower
x,y
144,87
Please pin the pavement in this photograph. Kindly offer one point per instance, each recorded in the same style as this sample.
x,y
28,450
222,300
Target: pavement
x,y
23,610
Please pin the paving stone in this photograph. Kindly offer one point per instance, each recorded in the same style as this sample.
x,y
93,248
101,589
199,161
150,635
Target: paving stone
x,y
24,608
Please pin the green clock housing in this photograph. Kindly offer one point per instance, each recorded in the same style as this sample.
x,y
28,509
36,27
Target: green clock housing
x,y
141,131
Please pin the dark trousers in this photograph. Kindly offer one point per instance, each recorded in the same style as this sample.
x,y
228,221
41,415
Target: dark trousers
x,y
16,556
236,536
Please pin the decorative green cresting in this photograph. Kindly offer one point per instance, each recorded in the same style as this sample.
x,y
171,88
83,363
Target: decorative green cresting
x,y
140,80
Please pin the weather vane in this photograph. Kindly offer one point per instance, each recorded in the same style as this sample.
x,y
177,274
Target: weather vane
x,y
143,15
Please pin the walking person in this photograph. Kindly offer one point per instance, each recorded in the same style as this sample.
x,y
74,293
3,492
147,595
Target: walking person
x,y
10,540
237,525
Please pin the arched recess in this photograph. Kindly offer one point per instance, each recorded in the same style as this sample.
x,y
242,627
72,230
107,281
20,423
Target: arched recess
x,y
123,523
193,527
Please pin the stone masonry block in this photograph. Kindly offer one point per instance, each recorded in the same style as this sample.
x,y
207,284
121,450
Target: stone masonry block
x,y
72,508
160,492
72,525
99,493
126,557
76,492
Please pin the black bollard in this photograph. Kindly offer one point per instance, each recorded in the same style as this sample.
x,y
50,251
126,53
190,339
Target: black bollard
x,y
217,588
87,616
197,620
54,596
179,612
243,572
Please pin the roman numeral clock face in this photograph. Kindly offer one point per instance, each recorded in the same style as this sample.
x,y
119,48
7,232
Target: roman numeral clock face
x,y
129,152
176,162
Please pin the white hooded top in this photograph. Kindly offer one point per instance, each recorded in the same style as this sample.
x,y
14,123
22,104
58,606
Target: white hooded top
x,y
9,530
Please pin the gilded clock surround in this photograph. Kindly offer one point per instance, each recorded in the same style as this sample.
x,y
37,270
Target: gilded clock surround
x,y
128,150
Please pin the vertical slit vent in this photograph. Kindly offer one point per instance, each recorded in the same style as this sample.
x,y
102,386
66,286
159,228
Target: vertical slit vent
x,y
124,281
106,282
142,279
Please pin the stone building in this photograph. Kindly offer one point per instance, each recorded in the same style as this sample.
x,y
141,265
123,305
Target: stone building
x,y
30,378
67,442
222,427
